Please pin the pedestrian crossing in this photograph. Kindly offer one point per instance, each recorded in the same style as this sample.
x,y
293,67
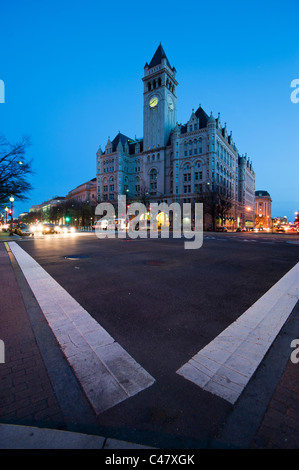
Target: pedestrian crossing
x,y
225,366
109,375
106,372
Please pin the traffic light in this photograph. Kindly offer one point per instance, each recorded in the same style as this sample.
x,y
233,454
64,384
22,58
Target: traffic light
x,y
67,219
9,211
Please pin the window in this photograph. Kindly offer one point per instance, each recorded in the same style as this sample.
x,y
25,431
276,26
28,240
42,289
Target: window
x,y
153,179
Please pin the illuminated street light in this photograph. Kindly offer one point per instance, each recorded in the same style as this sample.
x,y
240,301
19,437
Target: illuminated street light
x,y
6,210
11,216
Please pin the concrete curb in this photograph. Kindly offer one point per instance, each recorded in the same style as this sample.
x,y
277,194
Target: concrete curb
x,y
27,437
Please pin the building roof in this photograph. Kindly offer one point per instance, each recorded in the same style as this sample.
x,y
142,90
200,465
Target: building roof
x,y
202,119
202,116
261,193
123,139
157,58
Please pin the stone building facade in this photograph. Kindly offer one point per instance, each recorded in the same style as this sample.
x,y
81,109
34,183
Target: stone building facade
x,y
263,201
175,162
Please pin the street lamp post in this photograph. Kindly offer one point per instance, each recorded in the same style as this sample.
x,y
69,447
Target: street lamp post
x,y
6,210
11,214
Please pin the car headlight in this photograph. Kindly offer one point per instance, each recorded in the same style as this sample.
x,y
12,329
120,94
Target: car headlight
x,y
72,229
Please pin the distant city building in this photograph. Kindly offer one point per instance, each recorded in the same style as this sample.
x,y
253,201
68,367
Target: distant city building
x,y
23,214
175,162
280,220
263,202
45,206
86,192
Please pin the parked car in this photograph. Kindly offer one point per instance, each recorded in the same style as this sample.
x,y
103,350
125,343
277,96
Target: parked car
x,y
221,229
25,230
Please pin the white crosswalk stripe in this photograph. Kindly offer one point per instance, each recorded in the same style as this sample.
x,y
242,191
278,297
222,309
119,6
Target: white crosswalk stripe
x,y
226,364
107,373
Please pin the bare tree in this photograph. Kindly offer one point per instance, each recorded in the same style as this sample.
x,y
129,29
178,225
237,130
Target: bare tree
x,y
224,206
14,170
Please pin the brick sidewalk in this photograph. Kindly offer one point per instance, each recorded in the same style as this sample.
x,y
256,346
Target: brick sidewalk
x,y
280,426
26,393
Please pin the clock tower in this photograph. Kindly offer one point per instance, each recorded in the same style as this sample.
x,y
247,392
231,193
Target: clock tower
x,y
159,103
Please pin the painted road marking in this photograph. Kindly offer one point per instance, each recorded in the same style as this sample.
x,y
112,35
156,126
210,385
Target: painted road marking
x,y
107,373
226,364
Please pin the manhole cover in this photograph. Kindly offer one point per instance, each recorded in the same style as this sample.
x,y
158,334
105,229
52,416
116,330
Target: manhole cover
x,y
76,257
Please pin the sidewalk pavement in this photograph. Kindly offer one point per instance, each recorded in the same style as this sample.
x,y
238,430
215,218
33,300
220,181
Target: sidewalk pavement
x,y
37,413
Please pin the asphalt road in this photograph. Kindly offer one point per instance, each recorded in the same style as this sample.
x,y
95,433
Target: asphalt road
x,y
163,304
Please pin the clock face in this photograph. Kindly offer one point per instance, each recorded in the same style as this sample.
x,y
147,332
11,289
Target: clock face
x,y
153,102
170,104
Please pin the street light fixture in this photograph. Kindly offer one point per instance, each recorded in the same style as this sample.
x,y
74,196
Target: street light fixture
x,y
11,214
6,210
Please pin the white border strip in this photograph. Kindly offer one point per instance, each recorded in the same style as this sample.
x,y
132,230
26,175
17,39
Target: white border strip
x,y
107,373
226,364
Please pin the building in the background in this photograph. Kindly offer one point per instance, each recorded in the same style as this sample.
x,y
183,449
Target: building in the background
x,y
47,205
263,202
246,192
278,221
22,215
175,162
84,193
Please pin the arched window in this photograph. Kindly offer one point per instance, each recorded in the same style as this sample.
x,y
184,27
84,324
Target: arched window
x,y
137,184
153,174
126,185
153,179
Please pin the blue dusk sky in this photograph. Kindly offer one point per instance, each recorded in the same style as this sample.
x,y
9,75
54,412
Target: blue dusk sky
x,y
72,72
